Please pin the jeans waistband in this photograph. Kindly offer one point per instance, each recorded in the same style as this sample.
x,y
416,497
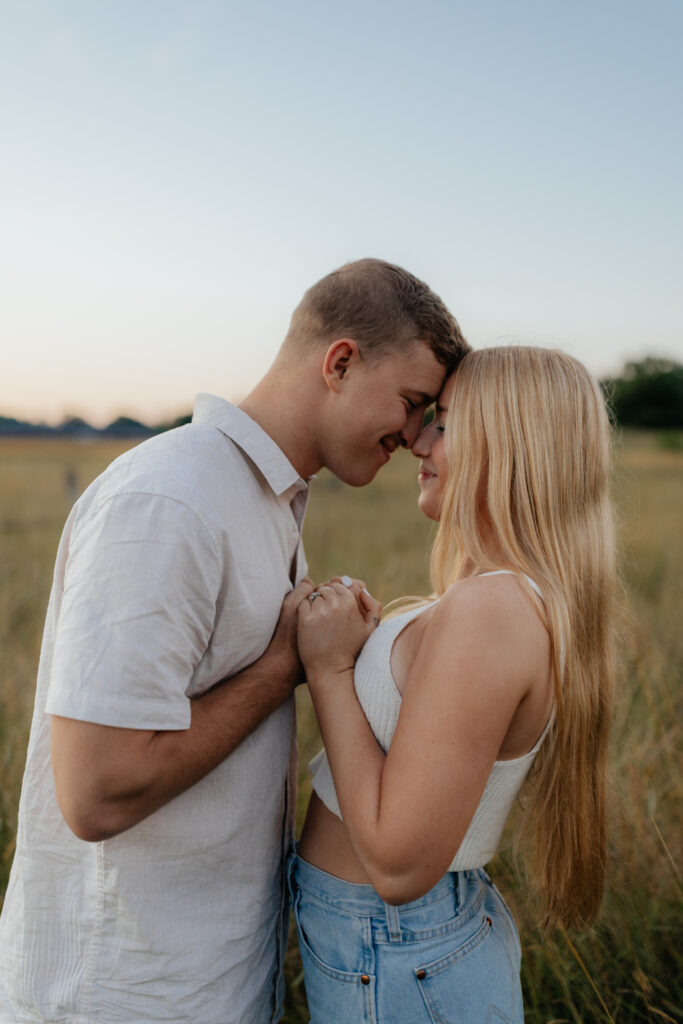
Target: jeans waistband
x,y
459,887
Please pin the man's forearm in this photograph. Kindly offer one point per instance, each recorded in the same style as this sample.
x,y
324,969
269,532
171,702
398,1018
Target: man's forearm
x,y
109,779
172,761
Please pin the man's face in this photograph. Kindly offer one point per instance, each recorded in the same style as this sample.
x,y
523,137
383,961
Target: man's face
x,y
381,408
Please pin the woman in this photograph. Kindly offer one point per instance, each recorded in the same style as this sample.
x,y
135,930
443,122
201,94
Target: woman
x,y
509,665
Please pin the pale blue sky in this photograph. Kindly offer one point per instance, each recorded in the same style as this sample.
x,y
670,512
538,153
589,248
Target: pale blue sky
x,y
174,174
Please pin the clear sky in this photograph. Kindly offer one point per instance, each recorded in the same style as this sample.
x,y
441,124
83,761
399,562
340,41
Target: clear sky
x,y
175,173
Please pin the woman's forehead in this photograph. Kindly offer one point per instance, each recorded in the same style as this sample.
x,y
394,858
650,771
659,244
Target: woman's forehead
x,y
446,393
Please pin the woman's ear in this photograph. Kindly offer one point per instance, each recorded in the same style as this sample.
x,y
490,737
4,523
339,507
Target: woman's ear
x,y
338,359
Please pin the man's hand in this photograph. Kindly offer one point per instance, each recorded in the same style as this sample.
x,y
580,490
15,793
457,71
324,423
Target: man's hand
x,y
282,649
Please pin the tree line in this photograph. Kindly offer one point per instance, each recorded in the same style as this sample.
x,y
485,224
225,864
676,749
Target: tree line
x,y
75,428
646,394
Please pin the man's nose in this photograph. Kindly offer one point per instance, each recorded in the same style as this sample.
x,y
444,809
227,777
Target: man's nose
x,y
412,429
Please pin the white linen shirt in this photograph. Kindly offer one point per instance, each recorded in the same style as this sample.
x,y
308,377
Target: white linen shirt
x,y
170,576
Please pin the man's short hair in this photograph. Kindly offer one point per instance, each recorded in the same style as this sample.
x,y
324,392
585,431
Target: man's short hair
x,y
380,306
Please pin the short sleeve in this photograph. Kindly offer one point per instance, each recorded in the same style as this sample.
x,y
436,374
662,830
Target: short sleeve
x,y
136,615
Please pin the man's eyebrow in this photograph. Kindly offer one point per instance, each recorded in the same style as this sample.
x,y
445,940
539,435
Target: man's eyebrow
x,y
424,398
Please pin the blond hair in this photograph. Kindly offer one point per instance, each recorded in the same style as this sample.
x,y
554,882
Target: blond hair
x,y
528,447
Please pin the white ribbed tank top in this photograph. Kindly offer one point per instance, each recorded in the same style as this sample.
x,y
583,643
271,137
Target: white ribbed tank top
x,y
381,702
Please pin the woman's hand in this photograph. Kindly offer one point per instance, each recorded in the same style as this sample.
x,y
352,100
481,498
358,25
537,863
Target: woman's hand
x,y
334,622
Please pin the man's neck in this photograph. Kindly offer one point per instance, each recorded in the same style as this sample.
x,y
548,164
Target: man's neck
x,y
281,404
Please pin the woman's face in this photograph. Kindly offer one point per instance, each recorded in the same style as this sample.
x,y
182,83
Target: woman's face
x,y
430,449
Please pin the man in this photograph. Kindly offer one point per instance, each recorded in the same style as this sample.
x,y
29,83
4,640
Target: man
x,y
147,882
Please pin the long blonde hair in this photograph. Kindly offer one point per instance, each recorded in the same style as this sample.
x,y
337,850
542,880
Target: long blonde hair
x,y
528,447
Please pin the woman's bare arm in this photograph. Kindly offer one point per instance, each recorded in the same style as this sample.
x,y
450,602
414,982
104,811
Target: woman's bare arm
x,y
408,812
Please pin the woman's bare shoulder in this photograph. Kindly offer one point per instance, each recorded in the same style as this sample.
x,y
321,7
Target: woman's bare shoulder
x,y
494,615
495,597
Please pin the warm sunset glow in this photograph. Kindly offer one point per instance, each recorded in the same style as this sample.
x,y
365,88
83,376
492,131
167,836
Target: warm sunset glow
x,y
175,174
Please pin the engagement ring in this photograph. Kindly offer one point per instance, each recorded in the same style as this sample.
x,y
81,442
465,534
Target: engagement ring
x,y
312,596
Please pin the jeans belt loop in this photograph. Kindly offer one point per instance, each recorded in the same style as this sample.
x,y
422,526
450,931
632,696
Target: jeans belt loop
x,y
393,922
458,894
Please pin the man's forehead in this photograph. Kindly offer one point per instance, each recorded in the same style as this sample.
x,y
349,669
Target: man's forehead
x,y
416,370
427,374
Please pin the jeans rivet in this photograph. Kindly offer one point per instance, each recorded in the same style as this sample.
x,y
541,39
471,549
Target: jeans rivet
x,y
365,979
421,975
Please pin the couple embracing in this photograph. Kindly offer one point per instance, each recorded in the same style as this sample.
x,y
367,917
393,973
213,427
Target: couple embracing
x,y
154,853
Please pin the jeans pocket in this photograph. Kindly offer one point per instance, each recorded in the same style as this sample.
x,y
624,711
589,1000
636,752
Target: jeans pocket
x,y
499,909
474,983
338,989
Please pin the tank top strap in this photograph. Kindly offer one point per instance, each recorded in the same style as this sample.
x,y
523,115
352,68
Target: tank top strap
x,y
511,572
546,729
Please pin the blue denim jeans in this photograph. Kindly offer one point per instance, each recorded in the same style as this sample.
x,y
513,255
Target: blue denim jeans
x,y
451,957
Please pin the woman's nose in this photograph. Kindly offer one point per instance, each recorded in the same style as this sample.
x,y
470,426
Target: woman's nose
x,y
422,445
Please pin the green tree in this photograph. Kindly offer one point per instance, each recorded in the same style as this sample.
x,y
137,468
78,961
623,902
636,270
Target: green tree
x,y
648,393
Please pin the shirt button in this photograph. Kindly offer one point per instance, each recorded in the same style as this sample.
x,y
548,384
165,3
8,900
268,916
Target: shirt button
x,y
421,975
365,979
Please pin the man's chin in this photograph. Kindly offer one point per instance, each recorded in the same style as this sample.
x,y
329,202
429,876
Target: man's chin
x,y
357,479
358,475
362,473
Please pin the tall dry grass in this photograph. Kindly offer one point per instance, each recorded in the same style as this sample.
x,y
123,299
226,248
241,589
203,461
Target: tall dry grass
x,y
38,479
628,968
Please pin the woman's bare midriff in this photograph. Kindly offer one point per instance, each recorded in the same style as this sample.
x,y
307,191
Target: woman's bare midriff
x,y
325,843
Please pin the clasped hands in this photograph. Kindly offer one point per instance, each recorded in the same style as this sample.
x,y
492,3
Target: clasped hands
x,y
334,621
321,630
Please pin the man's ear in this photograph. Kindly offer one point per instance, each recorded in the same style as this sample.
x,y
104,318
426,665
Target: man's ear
x,y
339,357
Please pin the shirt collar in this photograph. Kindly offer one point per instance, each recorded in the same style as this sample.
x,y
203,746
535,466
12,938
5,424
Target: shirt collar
x,y
251,438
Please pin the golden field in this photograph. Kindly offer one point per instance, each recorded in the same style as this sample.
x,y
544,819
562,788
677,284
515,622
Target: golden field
x,y
630,965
